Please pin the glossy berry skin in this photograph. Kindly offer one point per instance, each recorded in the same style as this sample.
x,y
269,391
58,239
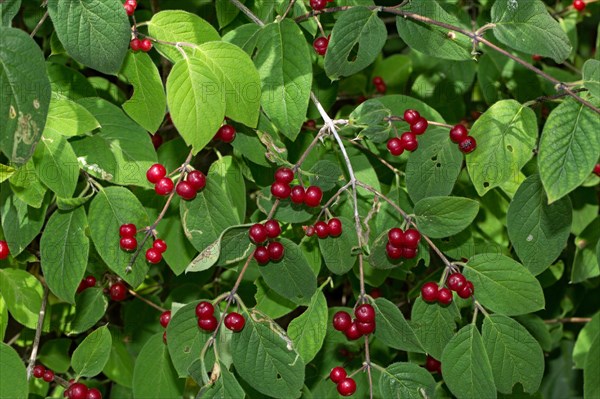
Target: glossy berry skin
x,y
444,296
258,233
396,237
135,44
160,245
409,141
297,194
226,133
411,116
90,281
377,80
261,255
318,4
466,291
467,145
579,5
321,229
204,310
313,196
284,175
209,324
38,371
429,292
433,365
165,318
596,172
381,88
320,45
118,291
273,229
235,322
164,186
276,251
392,251
341,321
129,10
4,251
346,387
408,253
334,227
185,190
93,394
352,332
419,126
337,374
395,147
411,238
458,133
128,243
78,391
153,256
456,281
155,173
197,179
281,190
365,328
48,376
146,45
127,230
365,313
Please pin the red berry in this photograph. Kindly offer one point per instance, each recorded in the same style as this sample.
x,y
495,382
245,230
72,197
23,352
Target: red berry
x,y
318,4
409,141
48,376
208,324
153,256
235,322
160,245
155,173
127,230
284,175
320,45
596,171
412,238
396,237
226,133
365,313
377,80
321,229
342,321
273,228
258,233
352,332
165,318
261,255
118,291
38,371
313,196
276,251
419,126
185,190
146,45
164,186
311,124
375,293
365,328
4,250
433,365
132,3
381,88
444,296
392,251
456,281
204,310
135,44
395,147
467,290
78,391
90,281
411,116
94,393
310,230
197,179
458,133
337,374
297,194
467,145
429,292
82,286
129,10
579,5
536,57
346,387
280,190
408,253
334,227
128,243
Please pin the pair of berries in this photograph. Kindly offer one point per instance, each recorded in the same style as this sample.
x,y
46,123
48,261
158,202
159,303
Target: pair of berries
x,y
433,365
363,324
226,134
281,189
40,371
77,390
88,282
408,140
402,244
579,5
259,233
4,250
320,45
155,254
459,283
165,318
460,136
346,386
144,45
130,6
118,291
380,85
318,5
333,228
128,241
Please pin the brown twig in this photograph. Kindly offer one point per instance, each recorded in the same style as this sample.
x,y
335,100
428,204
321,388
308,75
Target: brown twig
x,y
38,332
569,320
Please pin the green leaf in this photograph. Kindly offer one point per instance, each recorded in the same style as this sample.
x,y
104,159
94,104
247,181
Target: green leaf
x,y
392,328
585,264
515,356
243,36
179,26
528,27
271,303
109,209
266,360
308,330
503,285
591,371
27,185
228,172
90,306
284,64
569,148
68,118
591,77
291,277
466,367
430,39
337,251
6,172
231,246
68,82
55,354
56,164
538,231
154,376
25,95
13,375
439,217
119,367
195,96
356,40
506,135
325,174
94,32
64,249
225,387
8,10
434,325
434,167
584,340
4,317
68,204
148,103
91,355
406,380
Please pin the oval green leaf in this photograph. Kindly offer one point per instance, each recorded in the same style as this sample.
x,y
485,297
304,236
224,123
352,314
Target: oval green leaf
x,y
439,217
13,376
407,381
91,355
308,330
392,328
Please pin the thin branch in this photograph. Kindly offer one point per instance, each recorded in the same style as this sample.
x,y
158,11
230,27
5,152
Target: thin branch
x,y
248,13
38,332
541,99
147,302
569,320
39,24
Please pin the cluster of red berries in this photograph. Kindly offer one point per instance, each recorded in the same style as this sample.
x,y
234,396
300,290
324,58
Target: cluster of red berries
x,y
408,140
205,312
226,134
118,291
460,136
130,6
318,5
259,233
281,189
88,282
402,244
596,172
579,5
128,242
4,251
145,45
380,85
77,390
433,365
455,282
363,324
320,45
333,228
187,188
346,386
40,371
